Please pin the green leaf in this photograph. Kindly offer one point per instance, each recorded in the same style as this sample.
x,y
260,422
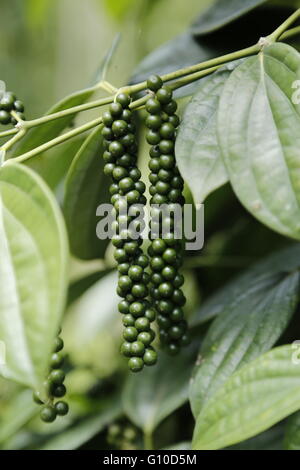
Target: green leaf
x,y
259,135
269,440
248,326
259,395
53,165
48,131
180,52
92,313
292,434
86,188
282,261
80,433
20,410
222,13
153,394
197,151
33,252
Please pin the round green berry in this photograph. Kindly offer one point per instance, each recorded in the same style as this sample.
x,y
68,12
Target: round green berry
x,y
116,149
57,360
177,315
166,146
145,337
130,334
153,106
152,137
116,109
137,309
164,95
48,414
142,261
61,408
167,162
120,127
57,376
107,119
154,83
172,349
150,314
135,364
59,391
139,291
153,122
150,357
126,349
137,348
58,344
123,99
4,117
170,256
142,324
157,263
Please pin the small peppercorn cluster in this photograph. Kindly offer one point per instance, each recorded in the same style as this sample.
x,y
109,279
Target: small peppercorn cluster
x,y
54,387
122,436
127,189
9,103
166,187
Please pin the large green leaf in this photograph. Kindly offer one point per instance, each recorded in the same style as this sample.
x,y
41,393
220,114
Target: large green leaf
x,y
197,150
222,13
33,252
292,434
86,188
48,131
152,395
54,164
259,135
272,439
259,395
283,261
178,53
248,326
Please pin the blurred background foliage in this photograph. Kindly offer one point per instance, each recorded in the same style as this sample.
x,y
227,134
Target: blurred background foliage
x,y
50,48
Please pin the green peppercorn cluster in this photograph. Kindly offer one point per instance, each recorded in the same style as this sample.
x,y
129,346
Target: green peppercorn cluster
x,y
8,103
54,387
122,436
166,188
120,158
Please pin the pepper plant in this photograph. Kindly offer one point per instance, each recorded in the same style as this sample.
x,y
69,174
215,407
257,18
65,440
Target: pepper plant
x,y
212,364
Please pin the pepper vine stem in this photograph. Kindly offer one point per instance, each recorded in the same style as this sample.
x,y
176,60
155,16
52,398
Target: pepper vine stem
x,y
186,75
285,25
137,104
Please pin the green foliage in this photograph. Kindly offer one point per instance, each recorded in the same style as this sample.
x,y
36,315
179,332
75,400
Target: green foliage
x,y
221,13
197,151
248,326
33,253
259,395
255,99
86,188
239,128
